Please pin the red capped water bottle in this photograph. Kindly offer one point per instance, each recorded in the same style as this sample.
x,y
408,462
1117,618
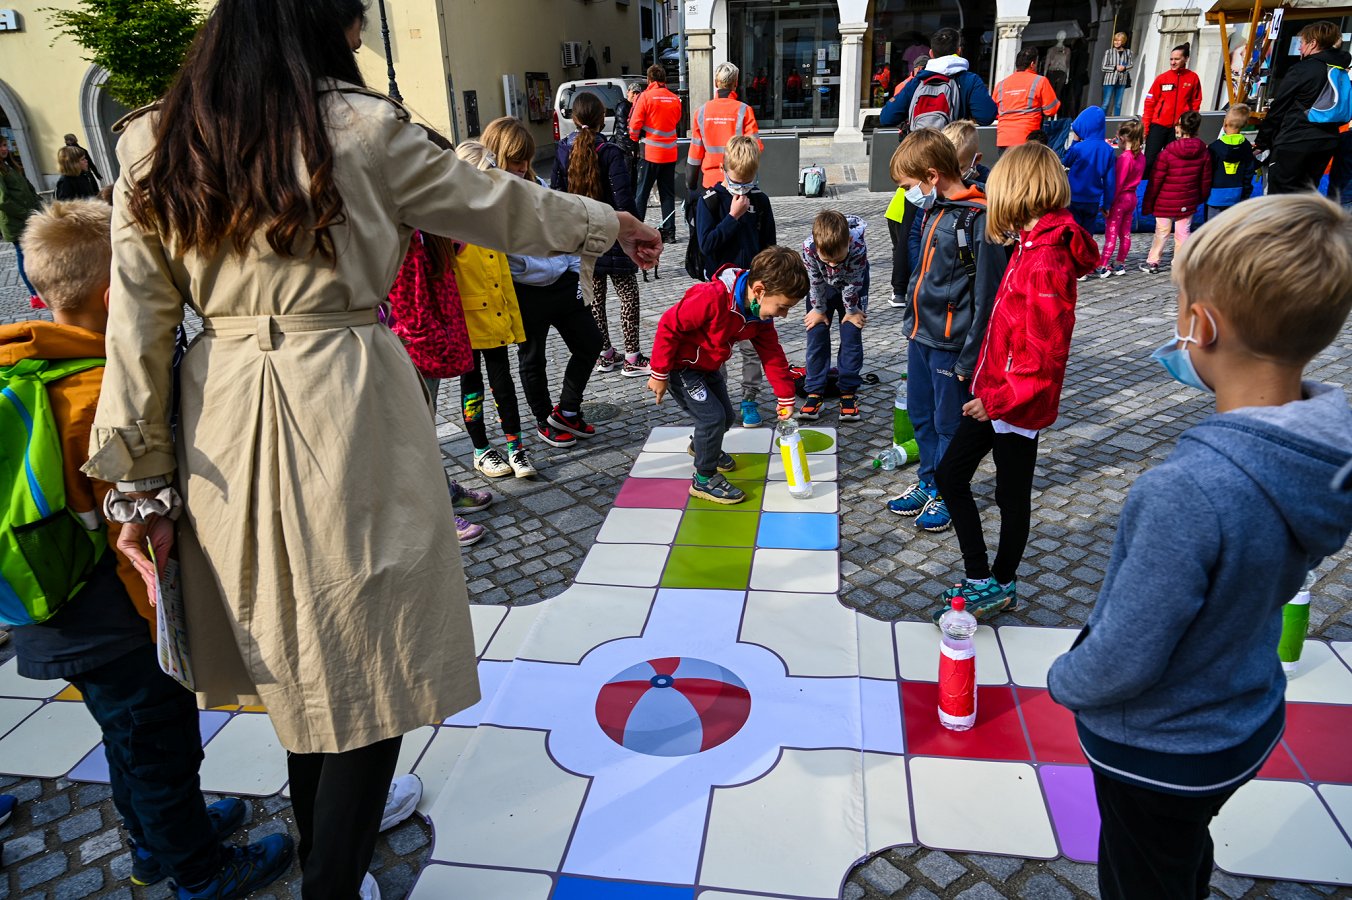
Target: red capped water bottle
x,y
957,668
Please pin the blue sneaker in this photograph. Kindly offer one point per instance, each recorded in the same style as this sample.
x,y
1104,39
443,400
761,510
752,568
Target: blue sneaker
x,y
984,599
225,815
934,517
245,870
912,500
750,414
7,804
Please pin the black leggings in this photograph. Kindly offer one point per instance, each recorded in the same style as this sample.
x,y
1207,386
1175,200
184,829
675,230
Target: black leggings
x,y
499,365
338,799
559,306
1015,460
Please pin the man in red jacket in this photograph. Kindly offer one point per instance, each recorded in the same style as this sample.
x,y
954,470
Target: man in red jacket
x,y
694,339
1173,93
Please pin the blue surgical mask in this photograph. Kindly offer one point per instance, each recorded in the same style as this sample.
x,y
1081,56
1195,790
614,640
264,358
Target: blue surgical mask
x,y
917,197
1174,356
740,188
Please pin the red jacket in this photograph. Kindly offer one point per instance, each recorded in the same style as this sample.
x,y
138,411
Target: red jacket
x,y
1181,180
698,332
1170,96
1023,357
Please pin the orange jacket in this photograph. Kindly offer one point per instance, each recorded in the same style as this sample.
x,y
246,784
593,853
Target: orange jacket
x,y
717,122
656,116
74,399
1022,100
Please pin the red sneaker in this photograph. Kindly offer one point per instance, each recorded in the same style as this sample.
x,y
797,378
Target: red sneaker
x,y
574,425
554,437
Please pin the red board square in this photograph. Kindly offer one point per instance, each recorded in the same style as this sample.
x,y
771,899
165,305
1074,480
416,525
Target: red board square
x,y
1051,726
998,734
1280,766
1318,736
654,493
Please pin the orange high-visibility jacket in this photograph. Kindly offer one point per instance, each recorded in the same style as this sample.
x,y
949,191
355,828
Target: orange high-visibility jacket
x,y
1023,99
717,122
655,117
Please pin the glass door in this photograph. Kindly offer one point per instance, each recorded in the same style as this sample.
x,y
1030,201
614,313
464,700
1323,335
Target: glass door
x,y
790,62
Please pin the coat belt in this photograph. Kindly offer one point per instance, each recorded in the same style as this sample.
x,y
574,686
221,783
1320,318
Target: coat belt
x,y
265,327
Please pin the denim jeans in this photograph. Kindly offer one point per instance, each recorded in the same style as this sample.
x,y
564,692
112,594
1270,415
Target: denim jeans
x,y
154,750
850,359
1112,98
934,399
23,275
704,395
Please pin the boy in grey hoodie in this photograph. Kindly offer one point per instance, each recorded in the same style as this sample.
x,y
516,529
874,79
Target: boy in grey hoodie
x,y
1175,682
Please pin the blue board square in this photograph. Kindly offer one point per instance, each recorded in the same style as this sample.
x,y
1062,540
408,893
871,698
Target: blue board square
x,y
799,531
572,888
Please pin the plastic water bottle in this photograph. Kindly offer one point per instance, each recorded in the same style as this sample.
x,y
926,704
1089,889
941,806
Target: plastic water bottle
x,y
904,446
890,459
1295,624
794,453
957,668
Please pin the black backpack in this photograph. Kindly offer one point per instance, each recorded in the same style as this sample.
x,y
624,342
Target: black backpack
x,y
694,259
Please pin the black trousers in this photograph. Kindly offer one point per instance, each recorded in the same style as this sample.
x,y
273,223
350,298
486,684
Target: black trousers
x,y
1299,168
338,799
499,366
1015,461
1153,844
1156,139
900,233
558,306
154,750
663,176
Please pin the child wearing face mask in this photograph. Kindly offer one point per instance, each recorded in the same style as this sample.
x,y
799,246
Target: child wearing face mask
x,y
1016,388
962,135
1175,682
949,302
734,222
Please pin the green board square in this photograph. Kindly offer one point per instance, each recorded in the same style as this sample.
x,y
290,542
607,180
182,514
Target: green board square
x,y
711,568
751,466
755,494
719,528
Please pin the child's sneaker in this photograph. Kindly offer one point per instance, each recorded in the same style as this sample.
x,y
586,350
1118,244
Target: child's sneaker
x,y
467,532
225,816
934,517
811,409
1083,278
521,464
896,301
636,367
1120,269
1150,268
606,362
245,870
490,464
1103,271
468,500
554,437
912,500
751,417
574,424
725,461
984,598
849,408
717,490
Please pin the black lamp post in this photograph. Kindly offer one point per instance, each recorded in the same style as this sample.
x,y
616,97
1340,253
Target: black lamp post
x,y
389,60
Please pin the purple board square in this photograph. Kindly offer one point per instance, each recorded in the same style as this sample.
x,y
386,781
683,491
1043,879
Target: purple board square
x,y
1070,794
94,767
654,493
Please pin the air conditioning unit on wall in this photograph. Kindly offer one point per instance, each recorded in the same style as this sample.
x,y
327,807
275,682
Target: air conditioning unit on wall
x,y
572,54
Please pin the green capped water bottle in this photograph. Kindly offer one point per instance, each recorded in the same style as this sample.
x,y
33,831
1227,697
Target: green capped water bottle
x,y
903,435
1295,624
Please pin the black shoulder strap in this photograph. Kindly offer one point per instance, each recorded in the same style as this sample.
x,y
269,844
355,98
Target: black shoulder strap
x,y
760,202
966,234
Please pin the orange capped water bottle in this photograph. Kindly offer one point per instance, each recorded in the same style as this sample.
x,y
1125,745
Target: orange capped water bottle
x,y
957,668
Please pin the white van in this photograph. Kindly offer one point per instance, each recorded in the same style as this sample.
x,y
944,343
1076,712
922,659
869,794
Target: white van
x,y
609,90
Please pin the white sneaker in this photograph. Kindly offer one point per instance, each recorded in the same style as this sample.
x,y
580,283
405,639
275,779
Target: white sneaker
x,y
369,889
491,464
521,464
400,802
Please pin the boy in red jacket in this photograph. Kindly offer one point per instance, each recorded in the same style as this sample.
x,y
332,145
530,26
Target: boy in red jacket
x,y
1016,387
694,339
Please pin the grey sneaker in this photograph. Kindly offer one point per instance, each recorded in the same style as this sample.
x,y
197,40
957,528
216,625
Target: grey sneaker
x,y
717,490
725,462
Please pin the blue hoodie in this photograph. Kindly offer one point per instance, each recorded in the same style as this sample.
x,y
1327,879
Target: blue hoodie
x,y
1175,681
1090,160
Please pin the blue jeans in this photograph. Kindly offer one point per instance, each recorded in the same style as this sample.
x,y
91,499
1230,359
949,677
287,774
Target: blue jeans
x,y
934,399
23,276
1112,98
1085,215
850,360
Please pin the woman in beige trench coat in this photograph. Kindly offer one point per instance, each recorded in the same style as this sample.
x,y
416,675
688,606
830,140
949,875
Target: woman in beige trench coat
x,y
321,570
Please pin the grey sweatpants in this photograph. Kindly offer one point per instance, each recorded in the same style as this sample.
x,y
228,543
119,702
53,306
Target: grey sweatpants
x,y
704,395
753,373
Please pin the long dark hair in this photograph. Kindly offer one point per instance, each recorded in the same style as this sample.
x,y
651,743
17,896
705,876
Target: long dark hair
x,y
241,110
584,166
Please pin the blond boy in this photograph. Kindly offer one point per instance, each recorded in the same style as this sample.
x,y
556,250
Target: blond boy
x,y
1232,163
962,134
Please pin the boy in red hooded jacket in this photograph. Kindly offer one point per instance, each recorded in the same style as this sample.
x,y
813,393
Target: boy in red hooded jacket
x,y
1016,387
694,339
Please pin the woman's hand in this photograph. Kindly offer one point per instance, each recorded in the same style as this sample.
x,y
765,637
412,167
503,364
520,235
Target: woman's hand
x,y
132,540
641,243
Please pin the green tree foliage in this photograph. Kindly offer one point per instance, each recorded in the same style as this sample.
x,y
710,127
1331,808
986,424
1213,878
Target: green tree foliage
x,y
140,42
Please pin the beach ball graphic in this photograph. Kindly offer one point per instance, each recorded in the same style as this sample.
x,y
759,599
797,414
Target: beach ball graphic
x,y
676,706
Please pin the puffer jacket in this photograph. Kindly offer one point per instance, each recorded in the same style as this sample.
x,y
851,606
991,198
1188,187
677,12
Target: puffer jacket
x,y
616,189
1181,180
1023,357
18,201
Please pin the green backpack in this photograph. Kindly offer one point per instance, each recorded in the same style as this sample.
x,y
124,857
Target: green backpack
x,y
46,553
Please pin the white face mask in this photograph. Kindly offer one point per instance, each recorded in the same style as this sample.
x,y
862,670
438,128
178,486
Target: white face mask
x,y
916,196
739,188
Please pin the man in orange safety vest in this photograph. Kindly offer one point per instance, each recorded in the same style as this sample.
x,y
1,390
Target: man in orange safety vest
x,y
655,118
713,125
1023,99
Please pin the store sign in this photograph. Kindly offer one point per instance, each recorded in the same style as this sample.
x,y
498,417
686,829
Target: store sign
x,y
9,20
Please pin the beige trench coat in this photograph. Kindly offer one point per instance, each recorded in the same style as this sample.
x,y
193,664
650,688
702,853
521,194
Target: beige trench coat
x,y
322,576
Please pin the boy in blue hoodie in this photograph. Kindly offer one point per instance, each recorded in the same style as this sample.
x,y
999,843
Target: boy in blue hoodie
x,y
1232,164
1175,682
1089,163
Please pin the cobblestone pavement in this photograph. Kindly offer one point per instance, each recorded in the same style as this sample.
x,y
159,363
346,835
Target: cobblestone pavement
x,y
1120,416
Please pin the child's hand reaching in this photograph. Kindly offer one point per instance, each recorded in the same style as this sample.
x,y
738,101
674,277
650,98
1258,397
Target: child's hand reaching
x,y
976,409
813,319
786,412
856,318
658,387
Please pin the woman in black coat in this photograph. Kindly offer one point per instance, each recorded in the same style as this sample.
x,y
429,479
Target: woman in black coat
x,y
76,181
1301,149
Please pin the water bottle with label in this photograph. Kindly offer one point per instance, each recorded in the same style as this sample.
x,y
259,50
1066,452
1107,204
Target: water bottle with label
x,y
904,448
794,453
1295,624
957,668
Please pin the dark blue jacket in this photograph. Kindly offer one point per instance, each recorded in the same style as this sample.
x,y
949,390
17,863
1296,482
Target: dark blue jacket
x,y
976,102
1232,166
616,189
1093,178
725,241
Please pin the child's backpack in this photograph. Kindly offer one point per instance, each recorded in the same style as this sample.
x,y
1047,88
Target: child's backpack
x,y
694,259
812,181
1334,106
935,102
46,553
